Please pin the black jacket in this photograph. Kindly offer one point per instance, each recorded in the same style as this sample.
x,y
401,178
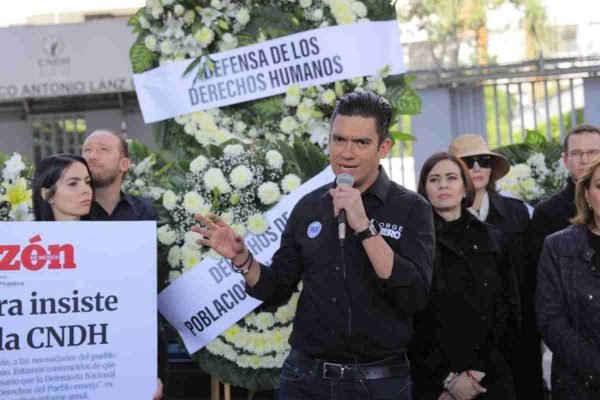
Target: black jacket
x,y
512,218
568,313
472,317
551,216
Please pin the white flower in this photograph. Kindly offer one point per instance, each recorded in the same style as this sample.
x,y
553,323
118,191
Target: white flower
x,y
240,229
213,178
292,95
169,200
228,42
288,124
190,239
359,9
216,4
239,127
144,166
241,176
264,321
319,133
204,36
243,16
305,3
144,22
13,167
305,109
290,182
233,149
199,164
358,81
269,193
328,97
257,224
150,42
156,10
189,257
179,10
227,217
274,159
189,17
166,235
174,275
193,203
317,14
167,2
174,257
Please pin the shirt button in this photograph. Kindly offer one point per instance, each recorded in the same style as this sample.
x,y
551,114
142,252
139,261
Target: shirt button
x,y
475,246
337,268
483,318
332,332
593,268
469,285
333,299
485,284
590,297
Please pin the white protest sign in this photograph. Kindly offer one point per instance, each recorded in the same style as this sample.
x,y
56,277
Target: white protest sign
x,y
309,58
209,298
78,310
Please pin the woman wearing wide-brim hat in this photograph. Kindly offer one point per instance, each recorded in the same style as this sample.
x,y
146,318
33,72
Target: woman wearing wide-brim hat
x,y
512,218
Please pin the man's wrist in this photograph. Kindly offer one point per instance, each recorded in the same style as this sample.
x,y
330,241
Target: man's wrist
x,y
239,259
363,226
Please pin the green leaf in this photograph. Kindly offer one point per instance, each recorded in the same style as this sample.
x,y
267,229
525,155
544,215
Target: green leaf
x,y
402,136
137,150
142,59
192,65
134,20
535,137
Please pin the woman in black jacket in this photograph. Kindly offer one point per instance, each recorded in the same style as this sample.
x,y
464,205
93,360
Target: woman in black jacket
x,y
512,218
465,332
568,296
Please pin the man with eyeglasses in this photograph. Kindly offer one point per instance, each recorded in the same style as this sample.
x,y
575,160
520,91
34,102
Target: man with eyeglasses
x,y
581,146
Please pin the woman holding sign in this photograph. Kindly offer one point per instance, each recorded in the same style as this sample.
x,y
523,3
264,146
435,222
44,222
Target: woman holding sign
x,y
62,188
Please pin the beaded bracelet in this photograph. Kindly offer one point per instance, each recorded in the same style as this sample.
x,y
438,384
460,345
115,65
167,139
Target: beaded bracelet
x,y
241,269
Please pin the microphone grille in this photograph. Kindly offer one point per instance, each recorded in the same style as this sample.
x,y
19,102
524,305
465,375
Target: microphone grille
x,y
344,179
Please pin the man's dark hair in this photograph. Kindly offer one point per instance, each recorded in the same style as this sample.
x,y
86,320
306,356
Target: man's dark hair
x,y
579,129
366,104
45,176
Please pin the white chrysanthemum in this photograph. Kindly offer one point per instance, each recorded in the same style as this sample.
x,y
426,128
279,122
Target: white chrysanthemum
x,y
319,133
274,159
189,17
264,320
13,168
199,164
179,10
213,178
166,236
288,124
169,200
317,14
305,3
305,109
328,97
269,193
227,217
174,275
292,95
234,149
358,81
359,9
174,257
284,314
190,239
257,224
204,36
240,229
239,127
189,257
241,176
290,182
228,42
150,42
156,10
193,203
216,4
243,16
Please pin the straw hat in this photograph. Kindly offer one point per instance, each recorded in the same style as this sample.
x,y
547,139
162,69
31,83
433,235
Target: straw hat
x,y
474,145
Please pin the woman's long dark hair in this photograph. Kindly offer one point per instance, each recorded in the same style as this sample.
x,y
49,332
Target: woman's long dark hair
x,y
46,174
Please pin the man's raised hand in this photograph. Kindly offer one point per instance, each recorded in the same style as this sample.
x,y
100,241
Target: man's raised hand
x,y
219,236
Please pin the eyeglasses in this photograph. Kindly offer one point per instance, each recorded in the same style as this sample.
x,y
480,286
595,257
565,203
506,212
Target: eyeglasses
x,y
484,161
579,154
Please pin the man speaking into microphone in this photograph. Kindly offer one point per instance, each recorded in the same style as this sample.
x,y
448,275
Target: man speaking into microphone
x,y
363,248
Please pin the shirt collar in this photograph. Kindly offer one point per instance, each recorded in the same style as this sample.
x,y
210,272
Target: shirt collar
x,y
379,188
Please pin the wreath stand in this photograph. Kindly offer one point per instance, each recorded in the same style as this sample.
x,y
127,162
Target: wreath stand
x,y
215,389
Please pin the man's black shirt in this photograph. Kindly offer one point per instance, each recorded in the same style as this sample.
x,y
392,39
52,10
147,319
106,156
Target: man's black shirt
x,y
381,309
129,208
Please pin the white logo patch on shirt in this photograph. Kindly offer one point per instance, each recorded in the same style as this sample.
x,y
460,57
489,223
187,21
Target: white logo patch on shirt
x,y
313,229
391,230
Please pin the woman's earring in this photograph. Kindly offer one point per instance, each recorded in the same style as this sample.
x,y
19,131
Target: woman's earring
x,y
50,201
590,206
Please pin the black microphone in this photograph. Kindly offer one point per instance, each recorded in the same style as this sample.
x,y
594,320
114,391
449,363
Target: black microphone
x,y
348,180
